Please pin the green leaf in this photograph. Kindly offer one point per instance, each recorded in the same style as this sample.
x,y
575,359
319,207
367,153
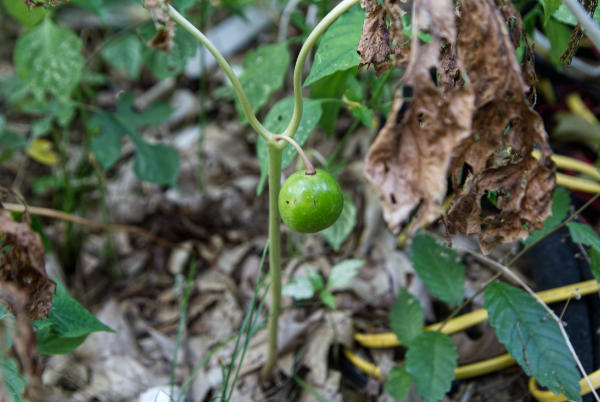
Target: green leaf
x,y
560,209
49,342
14,382
564,15
430,362
276,121
124,55
550,7
69,318
328,298
49,59
342,273
337,233
559,36
439,268
156,163
406,317
398,383
330,87
18,10
164,65
532,338
595,262
315,279
584,234
337,47
264,71
299,288
107,146
154,114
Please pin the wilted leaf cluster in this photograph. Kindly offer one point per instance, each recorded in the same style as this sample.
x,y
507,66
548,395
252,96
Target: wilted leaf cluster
x,y
462,116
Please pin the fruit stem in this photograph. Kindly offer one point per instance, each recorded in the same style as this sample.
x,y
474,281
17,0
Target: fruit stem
x,y
310,169
274,258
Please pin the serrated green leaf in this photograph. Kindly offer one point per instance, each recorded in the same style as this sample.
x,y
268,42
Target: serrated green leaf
x,y
337,233
430,362
584,234
560,209
276,121
406,317
439,268
327,298
14,382
595,262
299,288
164,65
337,47
18,10
398,383
124,55
264,71
49,59
342,273
532,338
156,163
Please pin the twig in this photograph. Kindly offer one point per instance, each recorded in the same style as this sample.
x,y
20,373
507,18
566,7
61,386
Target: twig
x,y
506,271
591,29
53,213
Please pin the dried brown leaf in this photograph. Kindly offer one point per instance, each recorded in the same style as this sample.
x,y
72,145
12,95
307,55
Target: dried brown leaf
x,y
375,45
165,27
22,266
470,119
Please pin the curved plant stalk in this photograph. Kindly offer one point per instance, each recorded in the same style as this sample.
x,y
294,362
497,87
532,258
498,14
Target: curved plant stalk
x,y
310,169
237,86
321,27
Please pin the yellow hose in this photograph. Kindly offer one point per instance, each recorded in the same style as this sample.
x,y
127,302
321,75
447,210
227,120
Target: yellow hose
x,y
388,339
574,183
549,396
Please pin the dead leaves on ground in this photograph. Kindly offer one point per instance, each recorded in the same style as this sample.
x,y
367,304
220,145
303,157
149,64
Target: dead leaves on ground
x,y
461,115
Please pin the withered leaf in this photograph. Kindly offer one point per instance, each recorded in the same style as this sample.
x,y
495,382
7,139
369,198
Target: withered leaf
x,y
470,122
22,266
374,46
43,3
165,27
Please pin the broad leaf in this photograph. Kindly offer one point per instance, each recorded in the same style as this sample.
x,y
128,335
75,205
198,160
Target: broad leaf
x,y
342,273
14,382
330,87
18,10
49,59
430,361
106,147
124,55
337,47
560,209
532,338
406,317
439,268
327,298
398,383
584,234
337,233
276,121
315,279
264,71
550,7
559,36
156,163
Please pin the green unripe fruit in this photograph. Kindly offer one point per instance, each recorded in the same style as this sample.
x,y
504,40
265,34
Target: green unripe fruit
x,y
309,203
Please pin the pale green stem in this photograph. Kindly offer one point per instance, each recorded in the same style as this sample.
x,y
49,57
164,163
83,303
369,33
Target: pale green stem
x,y
274,257
310,169
321,27
237,86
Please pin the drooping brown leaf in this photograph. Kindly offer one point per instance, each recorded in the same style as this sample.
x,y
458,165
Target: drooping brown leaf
x,y
165,27
375,45
22,266
470,122
43,3
409,160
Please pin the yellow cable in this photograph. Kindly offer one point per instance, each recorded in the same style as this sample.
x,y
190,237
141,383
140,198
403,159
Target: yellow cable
x,y
577,184
549,396
484,366
388,339
579,108
568,163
